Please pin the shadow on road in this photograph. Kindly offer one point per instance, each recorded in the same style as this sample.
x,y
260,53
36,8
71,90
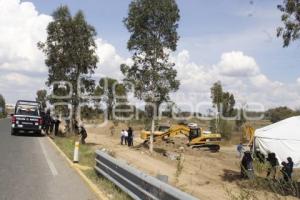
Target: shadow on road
x,y
28,135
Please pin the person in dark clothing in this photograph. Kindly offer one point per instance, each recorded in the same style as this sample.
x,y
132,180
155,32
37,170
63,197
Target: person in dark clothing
x,y
43,120
247,165
260,156
52,123
273,163
82,133
130,137
284,170
76,127
56,126
290,166
47,122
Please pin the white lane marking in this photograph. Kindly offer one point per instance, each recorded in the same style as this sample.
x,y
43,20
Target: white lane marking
x,y
49,162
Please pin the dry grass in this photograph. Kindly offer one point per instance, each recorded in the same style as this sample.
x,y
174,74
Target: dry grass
x,y
87,159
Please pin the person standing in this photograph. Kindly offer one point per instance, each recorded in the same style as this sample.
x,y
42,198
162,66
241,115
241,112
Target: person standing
x,y
290,166
122,136
56,125
82,133
247,165
47,122
52,123
126,137
273,163
240,149
43,120
284,170
260,156
130,137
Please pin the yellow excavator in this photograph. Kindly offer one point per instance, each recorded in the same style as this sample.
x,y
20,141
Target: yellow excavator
x,y
197,137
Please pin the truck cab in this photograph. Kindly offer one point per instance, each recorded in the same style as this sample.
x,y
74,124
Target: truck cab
x,y
26,118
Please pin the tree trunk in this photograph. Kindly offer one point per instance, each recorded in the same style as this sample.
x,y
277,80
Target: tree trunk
x,y
151,135
157,109
74,116
75,103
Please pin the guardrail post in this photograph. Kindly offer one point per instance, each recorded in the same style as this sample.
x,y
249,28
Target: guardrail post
x,y
76,153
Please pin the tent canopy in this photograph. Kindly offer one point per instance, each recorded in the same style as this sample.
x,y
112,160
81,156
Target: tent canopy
x,y
282,138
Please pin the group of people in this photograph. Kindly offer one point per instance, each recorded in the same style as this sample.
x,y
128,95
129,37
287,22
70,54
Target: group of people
x,y
50,123
247,170
286,169
127,137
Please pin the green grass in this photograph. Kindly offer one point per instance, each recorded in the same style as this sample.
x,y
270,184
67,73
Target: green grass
x,y
106,186
87,158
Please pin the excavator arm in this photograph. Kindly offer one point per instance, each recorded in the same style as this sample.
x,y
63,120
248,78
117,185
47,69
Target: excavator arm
x,y
249,133
172,132
176,130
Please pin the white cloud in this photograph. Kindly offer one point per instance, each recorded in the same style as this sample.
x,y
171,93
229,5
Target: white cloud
x,y
22,66
109,60
239,75
19,86
237,64
21,27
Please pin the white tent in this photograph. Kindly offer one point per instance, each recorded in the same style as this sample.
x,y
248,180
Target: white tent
x,y
282,138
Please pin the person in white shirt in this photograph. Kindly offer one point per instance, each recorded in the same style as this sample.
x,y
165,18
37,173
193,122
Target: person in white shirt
x,y
122,136
125,137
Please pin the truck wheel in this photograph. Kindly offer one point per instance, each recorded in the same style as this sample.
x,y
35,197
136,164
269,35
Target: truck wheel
x,y
214,148
13,132
39,133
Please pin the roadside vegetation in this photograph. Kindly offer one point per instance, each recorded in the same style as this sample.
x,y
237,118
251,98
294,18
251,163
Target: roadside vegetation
x,y
86,165
2,107
248,189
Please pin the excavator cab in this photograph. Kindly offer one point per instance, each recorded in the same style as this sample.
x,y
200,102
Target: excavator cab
x,y
194,133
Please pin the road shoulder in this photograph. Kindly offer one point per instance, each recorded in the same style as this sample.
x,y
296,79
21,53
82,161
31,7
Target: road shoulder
x,y
76,167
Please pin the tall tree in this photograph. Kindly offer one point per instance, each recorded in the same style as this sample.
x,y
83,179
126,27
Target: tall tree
x,y
111,89
70,51
228,104
153,27
291,19
217,95
41,96
224,102
2,106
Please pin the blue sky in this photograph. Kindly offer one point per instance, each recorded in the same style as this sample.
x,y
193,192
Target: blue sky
x,y
203,24
233,41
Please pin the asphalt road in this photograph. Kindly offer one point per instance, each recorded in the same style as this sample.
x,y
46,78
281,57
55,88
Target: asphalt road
x,y
31,169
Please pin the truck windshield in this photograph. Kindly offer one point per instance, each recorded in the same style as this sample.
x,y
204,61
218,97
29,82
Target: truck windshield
x,y
27,110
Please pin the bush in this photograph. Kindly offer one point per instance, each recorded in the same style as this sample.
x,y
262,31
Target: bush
x,y
280,113
226,129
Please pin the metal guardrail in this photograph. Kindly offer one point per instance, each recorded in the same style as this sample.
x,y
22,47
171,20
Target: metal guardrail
x,y
135,183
